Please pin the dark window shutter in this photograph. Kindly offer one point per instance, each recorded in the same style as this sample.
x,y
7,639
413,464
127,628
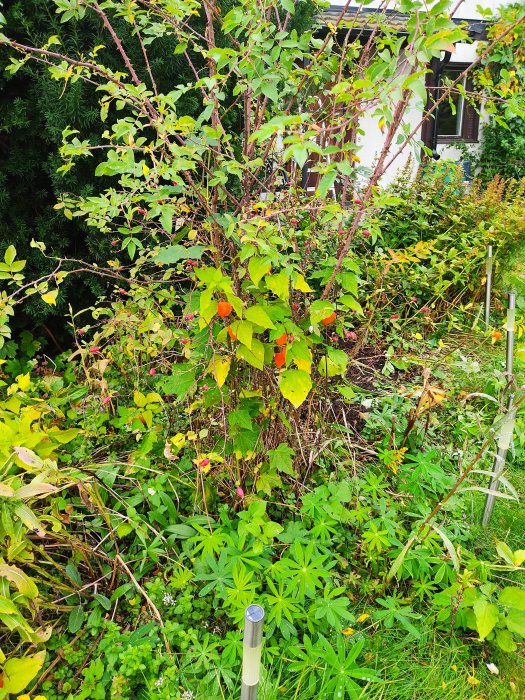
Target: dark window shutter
x,y
470,127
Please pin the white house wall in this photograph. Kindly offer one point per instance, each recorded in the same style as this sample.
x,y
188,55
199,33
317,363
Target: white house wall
x,y
467,9
372,139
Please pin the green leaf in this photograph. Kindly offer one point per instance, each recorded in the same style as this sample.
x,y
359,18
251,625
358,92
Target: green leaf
x,y
505,640
244,331
105,602
348,281
279,285
281,459
513,597
516,621
257,268
505,552
174,253
295,386
320,309
351,303
254,356
258,316
10,255
487,615
76,618
346,391
18,673
333,364
326,183
180,382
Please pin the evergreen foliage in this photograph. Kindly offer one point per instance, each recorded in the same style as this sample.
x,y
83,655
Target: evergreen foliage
x,y
35,109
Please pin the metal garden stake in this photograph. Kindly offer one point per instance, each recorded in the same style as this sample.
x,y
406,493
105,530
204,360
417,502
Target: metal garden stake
x,y
251,651
504,440
488,287
511,318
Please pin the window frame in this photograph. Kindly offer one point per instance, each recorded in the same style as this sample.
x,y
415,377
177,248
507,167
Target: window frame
x,y
469,132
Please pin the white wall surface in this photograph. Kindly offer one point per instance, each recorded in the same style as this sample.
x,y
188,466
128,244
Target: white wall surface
x,y
373,138
467,10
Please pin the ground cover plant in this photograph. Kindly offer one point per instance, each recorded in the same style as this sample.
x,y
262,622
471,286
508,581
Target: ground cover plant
x,y
265,406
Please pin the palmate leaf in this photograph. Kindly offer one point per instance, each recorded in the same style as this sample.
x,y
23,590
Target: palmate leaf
x,y
219,577
342,668
333,607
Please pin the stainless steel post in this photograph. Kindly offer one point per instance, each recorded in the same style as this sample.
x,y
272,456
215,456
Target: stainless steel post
x,y
504,440
488,287
251,651
511,318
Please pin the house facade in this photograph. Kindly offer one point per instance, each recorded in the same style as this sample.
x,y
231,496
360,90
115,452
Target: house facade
x,y
451,126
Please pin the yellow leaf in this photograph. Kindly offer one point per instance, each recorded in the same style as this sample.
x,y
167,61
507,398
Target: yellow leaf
x,y
219,367
50,297
178,441
23,381
301,284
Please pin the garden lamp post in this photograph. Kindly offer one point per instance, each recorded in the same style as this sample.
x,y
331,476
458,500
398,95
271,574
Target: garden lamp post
x,y
251,651
488,287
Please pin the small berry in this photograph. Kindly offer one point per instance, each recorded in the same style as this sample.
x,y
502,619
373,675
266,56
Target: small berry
x,y
294,222
351,335
81,331
114,242
205,387
152,372
94,349
366,233
189,317
106,400
394,317
329,319
295,306
184,341
425,310
204,462
413,300
239,492
358,201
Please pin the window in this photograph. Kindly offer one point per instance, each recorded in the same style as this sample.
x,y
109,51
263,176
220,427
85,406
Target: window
x,y
458,121
450,114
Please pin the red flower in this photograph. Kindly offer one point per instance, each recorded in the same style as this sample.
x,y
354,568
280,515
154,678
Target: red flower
x,y
204,462
239,492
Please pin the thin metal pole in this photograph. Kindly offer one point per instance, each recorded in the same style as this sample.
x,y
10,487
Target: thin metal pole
x,y
488,287
511,318
251,651
504,440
